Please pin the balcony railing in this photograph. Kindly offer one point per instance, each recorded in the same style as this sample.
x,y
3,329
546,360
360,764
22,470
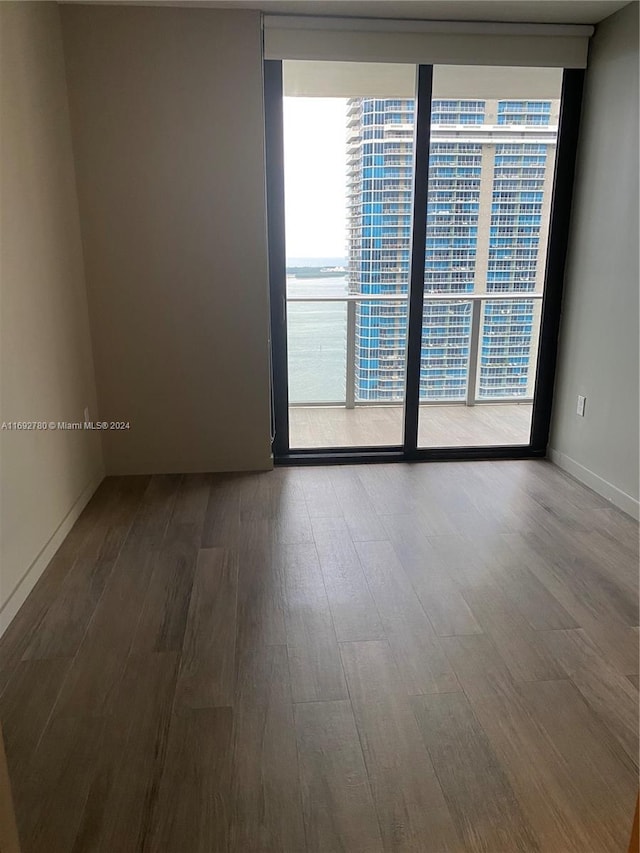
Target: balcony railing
x,y
332,355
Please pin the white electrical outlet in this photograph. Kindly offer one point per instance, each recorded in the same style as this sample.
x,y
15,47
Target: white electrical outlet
x,y
581,404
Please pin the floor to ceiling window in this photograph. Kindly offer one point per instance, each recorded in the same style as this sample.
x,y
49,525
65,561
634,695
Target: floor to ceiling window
x,y
492,155
416,205
348,164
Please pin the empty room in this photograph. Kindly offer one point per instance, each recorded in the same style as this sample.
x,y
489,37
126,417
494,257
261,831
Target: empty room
x,y
319,408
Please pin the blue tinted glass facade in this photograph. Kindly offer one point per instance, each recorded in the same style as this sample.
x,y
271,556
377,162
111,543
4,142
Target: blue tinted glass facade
x,y
453,207
516,219
476,184
457,112
524,112
380,192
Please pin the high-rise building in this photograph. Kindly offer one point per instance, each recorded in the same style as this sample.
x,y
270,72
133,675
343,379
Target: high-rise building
x,y
490,184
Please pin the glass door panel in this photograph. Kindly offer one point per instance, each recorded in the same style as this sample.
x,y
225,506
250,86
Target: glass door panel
x,y
491,168
348,167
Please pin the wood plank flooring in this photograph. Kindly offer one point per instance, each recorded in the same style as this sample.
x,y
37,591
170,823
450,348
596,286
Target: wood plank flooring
x,y
434,658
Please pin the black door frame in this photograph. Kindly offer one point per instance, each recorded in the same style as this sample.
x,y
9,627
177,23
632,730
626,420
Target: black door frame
x,y
568,129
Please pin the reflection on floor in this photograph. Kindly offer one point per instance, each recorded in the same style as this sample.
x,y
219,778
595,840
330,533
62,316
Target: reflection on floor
x,y
438,426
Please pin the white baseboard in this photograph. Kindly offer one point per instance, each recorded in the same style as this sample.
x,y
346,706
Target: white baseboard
x,y
603,487
28,581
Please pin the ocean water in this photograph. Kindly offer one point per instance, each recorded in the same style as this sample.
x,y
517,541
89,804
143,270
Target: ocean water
x,y
317,341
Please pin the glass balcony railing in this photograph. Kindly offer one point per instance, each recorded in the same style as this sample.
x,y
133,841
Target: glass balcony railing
x,y
349,350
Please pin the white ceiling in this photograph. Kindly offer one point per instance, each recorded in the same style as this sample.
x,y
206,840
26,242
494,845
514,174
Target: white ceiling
x,y
521,11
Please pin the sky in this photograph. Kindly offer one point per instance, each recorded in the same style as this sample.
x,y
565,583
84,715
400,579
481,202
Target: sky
x,y
315,176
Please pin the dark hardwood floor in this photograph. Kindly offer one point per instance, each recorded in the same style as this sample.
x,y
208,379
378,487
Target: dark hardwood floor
x,y
429,657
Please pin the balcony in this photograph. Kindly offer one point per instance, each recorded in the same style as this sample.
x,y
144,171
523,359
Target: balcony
x,y
346,372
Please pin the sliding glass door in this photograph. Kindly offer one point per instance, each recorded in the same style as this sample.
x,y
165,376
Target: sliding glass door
x,y
492,150
348,173
411,217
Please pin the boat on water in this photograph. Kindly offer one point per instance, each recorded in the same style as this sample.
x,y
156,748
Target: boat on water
x,y
315,272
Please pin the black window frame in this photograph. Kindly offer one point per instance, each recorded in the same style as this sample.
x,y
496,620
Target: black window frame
x,y
560,215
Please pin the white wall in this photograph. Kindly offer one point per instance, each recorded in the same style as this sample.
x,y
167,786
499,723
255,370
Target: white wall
x,y
46,366
598,354
167,121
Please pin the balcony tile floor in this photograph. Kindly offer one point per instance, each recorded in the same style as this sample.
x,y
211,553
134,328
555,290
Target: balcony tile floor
x,y
439,426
